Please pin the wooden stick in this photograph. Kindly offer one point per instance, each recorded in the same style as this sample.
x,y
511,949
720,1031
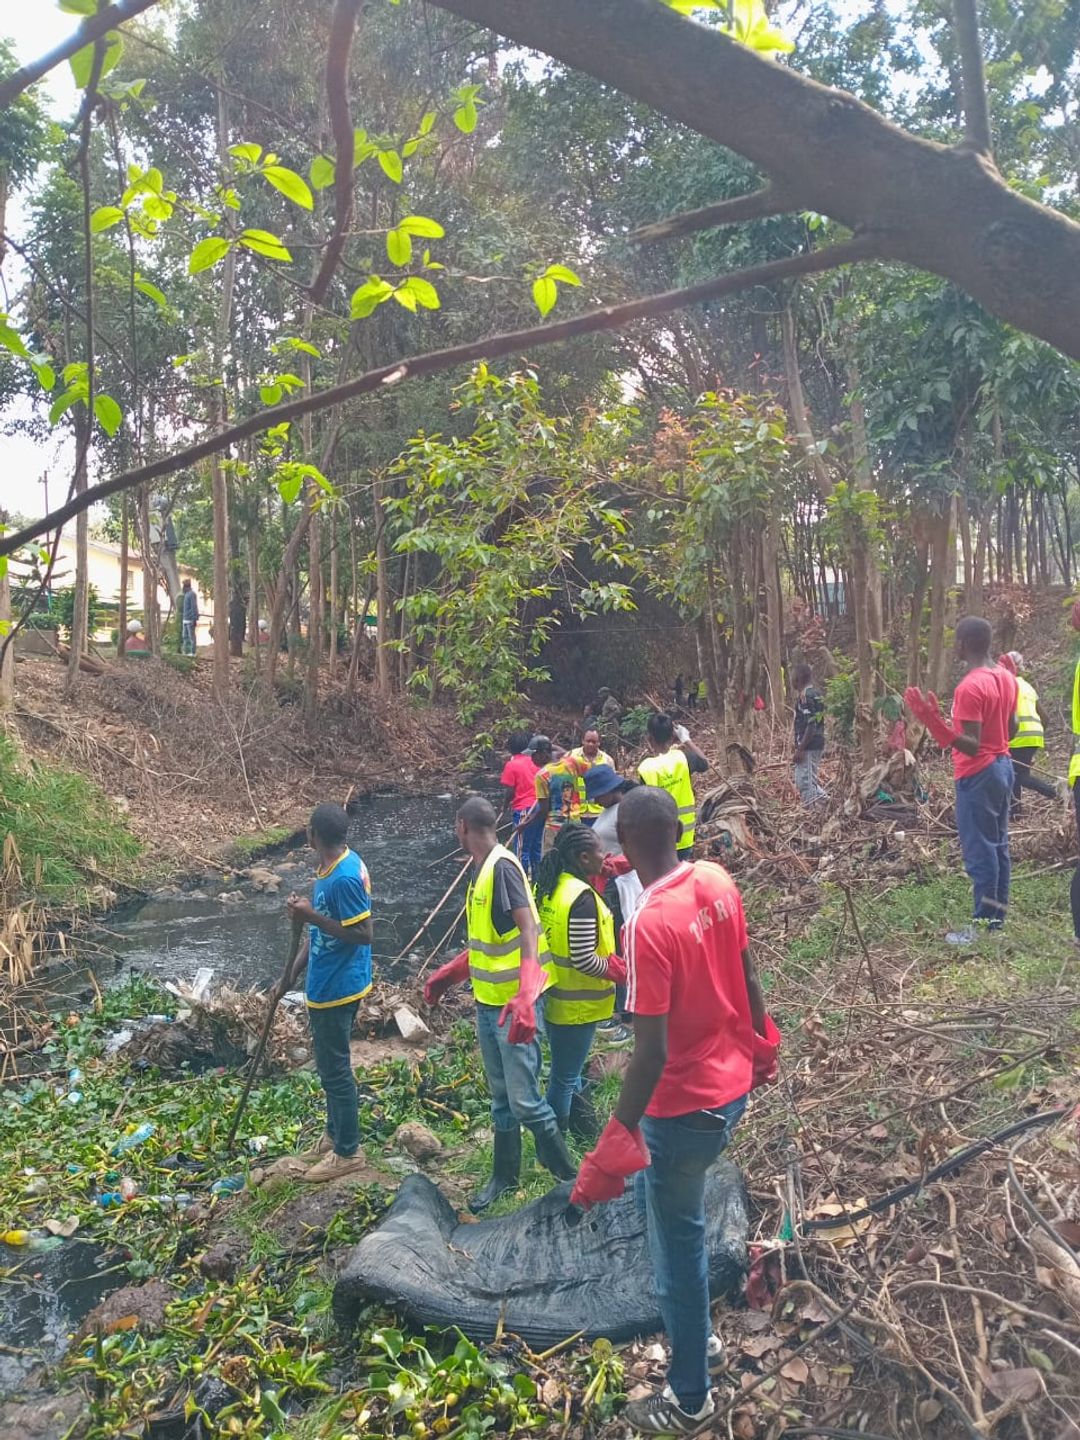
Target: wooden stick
x,y
256,1059
453,886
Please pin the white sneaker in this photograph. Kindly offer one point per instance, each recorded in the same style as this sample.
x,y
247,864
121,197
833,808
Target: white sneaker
x,y
715,1355
661,1414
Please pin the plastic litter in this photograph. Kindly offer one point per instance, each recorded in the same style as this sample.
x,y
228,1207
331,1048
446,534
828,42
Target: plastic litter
x,y
229,1185
110,1199
545,1272
128,1188
137,1137
29,1240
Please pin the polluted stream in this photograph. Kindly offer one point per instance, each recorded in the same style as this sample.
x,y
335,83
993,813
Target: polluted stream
x,y
224,924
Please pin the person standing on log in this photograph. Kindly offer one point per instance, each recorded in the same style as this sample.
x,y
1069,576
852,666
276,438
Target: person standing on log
x,y
503,963
984,707
701,1043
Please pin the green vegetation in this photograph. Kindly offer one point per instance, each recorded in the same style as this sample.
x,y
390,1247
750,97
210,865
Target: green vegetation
x,y
65,833
246,847
268,1334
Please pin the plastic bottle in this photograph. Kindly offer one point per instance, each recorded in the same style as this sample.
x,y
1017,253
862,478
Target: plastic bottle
x,y
128,1188
230,1185
109,1199
137,1137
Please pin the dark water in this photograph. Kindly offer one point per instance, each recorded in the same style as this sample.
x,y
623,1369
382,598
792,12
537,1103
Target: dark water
x,y
43,1298
403,840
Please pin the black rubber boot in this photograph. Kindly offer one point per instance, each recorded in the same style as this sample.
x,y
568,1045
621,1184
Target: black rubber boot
x,y
505,1170
552,1153
584,1123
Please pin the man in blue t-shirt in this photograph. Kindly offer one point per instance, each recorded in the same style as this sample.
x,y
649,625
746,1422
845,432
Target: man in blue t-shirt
x,y
337,953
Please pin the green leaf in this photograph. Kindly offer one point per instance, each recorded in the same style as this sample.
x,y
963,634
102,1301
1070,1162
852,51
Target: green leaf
x,y
248,151
108,413
398,247
465,117
11,340
270,394
151,292
105,218
289,488
322,172
406,298
78,7
391,164
263,243
46,375
363,149
82,62
62,404
561,272
208,253
420,225
291,185
369,297
424,291
545,292
427,123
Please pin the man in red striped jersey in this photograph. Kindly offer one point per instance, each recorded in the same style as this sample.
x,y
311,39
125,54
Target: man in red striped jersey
x,y
697,1007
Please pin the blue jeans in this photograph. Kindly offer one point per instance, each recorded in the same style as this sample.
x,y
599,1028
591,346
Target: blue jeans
x,y
330,1032
527,845
570,1046
806,781
187,643
672,1193
513,1075
982,821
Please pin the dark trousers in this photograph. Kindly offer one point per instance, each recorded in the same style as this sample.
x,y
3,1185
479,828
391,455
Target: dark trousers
x,y
1074,892
1022,757
330,1032
982,820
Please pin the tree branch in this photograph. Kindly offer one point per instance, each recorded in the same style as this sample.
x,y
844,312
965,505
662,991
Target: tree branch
x,y
342,30
758,205
942,208
977,135
608,317
92,28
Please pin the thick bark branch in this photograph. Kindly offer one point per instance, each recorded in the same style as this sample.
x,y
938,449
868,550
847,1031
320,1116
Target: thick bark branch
x,y
92,28
758,205
342,29
972,78
609,317
944,209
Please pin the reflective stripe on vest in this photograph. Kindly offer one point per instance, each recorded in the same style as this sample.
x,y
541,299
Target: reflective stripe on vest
x,y
494,959
671,772
1029,728
576,998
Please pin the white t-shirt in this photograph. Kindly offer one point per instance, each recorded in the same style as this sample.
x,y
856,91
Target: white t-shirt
x,y
604,828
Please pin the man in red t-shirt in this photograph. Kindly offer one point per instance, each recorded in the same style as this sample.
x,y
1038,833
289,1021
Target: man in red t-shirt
x,y
697,1004
984,708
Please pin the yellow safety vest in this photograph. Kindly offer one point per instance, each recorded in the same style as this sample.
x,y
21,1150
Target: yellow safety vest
x,y
602,758
575,998
1029,728
672,773
494,959
1074,763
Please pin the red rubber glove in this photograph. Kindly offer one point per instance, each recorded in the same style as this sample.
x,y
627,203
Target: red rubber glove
x,y
619,1152
764,1055
452,973
616,969
521,1010
928,712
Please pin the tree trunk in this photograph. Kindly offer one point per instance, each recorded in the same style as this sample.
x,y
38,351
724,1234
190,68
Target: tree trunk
x,y
7,652
861,565
918,600
220,482
253,594
972,594
383,682
121,610
942,572
774,624
315,608
864,480
80,619
334,616
800,420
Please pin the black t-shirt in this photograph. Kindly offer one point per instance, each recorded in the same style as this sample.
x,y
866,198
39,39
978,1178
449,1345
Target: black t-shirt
x,y
810,719
508,894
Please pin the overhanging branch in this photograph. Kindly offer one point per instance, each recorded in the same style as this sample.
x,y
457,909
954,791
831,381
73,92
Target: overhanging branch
x,y
91,29
342,30
758,205
609,317
972,77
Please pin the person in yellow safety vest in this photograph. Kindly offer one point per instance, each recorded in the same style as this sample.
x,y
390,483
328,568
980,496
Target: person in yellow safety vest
x,y
590,752
1029,739
580,934
503,962
670,766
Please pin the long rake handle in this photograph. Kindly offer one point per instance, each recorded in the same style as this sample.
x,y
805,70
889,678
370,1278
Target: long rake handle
x,y
256,1059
